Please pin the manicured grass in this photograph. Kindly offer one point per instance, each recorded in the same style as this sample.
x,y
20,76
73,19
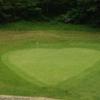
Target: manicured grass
x,y
55,47
50,66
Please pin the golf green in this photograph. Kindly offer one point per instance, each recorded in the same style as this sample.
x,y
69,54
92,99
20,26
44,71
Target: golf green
x,y
50,66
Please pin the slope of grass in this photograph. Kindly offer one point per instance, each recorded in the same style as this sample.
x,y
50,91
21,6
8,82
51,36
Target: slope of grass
x,y
23,35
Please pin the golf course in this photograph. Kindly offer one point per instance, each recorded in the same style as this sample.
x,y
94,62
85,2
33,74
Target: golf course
x,y
53,60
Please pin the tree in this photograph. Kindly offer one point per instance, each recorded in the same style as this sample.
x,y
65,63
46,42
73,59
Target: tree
x,y
73,11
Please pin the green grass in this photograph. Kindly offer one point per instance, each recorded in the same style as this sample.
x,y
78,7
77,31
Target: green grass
x,y
59,45
50,66
26,26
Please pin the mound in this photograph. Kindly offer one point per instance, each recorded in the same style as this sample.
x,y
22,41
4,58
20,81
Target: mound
x,y
50,66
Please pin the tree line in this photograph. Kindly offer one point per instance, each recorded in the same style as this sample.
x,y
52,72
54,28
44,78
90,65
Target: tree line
x,y
68,11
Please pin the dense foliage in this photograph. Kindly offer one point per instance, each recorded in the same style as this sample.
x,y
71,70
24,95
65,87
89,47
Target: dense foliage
x,y
69,11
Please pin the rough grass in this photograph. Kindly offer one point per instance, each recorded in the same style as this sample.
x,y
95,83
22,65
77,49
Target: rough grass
x,y
84,86
26,26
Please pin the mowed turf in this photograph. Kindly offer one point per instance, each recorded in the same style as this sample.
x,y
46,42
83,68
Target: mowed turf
x,y
50,66
50,60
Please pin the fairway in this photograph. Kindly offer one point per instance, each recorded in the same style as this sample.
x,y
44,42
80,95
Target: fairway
x,y
50,66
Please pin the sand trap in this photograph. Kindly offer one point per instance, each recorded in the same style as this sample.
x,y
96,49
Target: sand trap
x,y
6,97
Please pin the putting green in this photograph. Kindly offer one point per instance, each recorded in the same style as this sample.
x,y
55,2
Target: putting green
x,y
50,66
